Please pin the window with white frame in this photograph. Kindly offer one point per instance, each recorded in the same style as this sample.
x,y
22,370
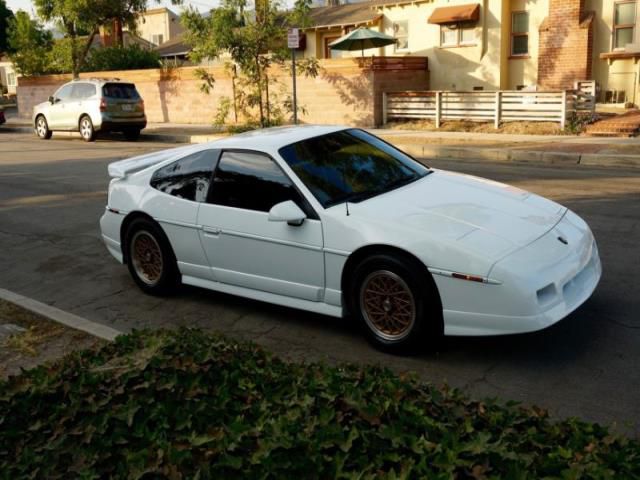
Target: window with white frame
x,y
624,23
519,34
157,39
401,33
11,79
457,35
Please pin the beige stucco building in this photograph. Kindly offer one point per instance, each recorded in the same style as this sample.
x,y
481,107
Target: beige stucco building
x,y
500,44
159,25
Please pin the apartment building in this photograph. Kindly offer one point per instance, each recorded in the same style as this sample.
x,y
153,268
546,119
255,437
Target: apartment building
x,y
500,44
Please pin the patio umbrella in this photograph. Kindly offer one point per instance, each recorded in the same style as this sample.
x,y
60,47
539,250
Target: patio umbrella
x,y
360,39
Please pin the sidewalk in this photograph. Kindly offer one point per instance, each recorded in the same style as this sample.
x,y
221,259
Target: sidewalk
x,y
556,149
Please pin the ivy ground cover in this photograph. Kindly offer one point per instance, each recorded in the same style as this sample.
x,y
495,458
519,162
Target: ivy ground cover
x,y
186,404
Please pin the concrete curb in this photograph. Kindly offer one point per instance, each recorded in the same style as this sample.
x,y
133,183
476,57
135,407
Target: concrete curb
x,y
60,316
520,156
15,128
429,151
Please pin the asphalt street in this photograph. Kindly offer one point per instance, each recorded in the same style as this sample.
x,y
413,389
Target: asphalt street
x,y
52,194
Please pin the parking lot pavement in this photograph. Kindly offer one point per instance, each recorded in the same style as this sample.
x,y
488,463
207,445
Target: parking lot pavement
x,y
53,193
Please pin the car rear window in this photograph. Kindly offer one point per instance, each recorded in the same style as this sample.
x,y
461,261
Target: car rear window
x,y
125,91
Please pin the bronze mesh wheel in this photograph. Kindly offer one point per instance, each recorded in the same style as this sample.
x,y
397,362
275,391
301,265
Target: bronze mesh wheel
x,y
387,305
146,257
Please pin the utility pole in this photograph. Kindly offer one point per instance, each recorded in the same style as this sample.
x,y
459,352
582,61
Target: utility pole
x,y
293,42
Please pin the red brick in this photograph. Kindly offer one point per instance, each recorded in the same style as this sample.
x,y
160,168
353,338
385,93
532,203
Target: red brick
x,y
565,46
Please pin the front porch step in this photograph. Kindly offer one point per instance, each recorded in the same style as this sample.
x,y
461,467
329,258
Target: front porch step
x,y
625,125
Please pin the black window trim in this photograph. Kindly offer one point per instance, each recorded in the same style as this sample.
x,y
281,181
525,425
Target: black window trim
x,y
311,214
216,151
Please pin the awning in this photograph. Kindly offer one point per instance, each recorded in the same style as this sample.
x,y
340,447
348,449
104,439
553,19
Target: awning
x,y
458,13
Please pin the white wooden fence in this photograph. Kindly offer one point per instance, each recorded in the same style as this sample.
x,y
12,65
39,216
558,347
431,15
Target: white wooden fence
x,y
486,106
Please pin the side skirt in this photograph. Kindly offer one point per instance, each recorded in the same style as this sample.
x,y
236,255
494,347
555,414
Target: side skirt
x,y
316,307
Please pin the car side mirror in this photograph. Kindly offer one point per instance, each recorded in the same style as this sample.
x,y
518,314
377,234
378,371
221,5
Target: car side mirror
x,y
52,100
287,212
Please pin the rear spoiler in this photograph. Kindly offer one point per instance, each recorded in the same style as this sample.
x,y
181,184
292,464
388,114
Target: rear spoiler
x,y
126,167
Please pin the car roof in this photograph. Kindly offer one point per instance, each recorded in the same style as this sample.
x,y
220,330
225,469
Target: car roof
x,y
99,81
274,138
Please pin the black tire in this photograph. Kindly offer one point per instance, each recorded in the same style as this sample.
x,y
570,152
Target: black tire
x,y
42,128
132,134
154,268
85,126
396,303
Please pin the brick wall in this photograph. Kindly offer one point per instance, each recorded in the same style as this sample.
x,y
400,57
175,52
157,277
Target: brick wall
x,y
345,92
566,45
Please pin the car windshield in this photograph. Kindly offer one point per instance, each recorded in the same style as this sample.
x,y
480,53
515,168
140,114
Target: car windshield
x,y
124,91
350,165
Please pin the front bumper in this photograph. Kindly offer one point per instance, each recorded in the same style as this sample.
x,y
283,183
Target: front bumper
x,y
542,284
574,293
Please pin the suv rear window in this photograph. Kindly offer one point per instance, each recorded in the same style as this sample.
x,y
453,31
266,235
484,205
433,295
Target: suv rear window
x,y
125,91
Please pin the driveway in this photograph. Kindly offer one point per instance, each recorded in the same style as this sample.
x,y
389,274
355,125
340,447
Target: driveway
x,y
53,193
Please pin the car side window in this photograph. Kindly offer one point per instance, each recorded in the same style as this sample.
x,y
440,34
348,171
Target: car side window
x,y
64,93
187,178
253,181
82,91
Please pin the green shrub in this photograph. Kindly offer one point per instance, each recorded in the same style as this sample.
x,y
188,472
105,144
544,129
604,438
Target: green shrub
x,y
59,57
132,57
578,122
189,405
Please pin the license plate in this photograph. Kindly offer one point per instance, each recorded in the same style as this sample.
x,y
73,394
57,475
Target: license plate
x,y
127,108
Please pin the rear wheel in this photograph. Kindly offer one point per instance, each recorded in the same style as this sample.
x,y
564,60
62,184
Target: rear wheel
x,y
132,134
42,128
87,131
396,303
150,258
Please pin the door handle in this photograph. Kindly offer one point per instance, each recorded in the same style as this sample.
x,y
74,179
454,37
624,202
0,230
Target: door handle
x,y
211,231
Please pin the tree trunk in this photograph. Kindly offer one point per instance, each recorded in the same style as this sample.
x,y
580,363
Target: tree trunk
x,y
78,62
118,33
70,27
235,94
266,89
259,84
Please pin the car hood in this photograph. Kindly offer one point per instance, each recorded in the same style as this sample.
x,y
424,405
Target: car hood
x,y
488,216
41,106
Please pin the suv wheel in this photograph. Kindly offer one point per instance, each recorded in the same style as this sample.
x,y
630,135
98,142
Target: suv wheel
x,y
87,131
42,128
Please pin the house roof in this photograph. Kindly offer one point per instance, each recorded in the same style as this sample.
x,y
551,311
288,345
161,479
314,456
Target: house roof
x,y
353,13
173,47
158,10
349,14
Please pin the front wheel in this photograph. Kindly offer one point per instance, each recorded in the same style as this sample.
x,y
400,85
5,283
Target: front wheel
x,y
42,128
87,132
150,258
397,304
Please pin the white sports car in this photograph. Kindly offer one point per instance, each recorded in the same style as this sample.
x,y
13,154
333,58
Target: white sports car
x,y
336,221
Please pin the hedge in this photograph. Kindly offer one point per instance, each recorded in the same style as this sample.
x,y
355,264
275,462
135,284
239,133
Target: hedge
x,y
185,404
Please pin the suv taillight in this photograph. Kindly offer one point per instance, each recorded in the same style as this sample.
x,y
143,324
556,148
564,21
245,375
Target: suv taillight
x,y
141,103
103,105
